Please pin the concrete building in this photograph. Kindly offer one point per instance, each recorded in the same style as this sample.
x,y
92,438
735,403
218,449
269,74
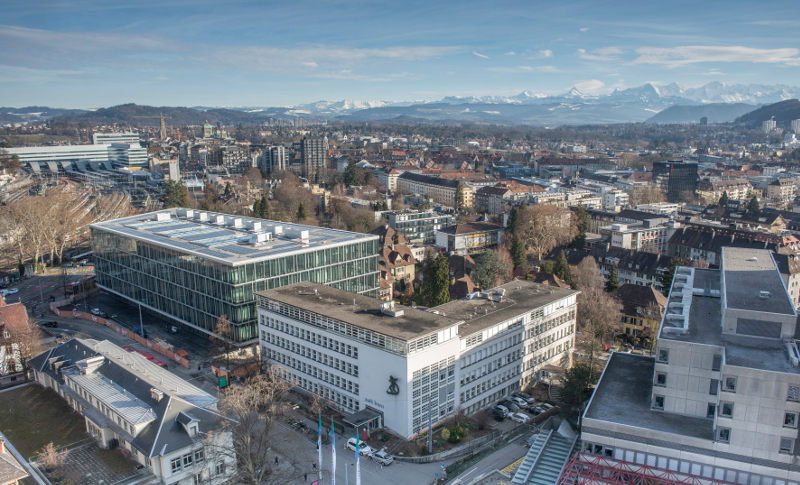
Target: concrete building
x,y
387,365
796,126
662,208
189,267
274,159
640,237
768,125
721,398
126,138
614,200
388,178
163,422
441,190
120,155
314,154
419,226
737,189
782,191
469,238
234,158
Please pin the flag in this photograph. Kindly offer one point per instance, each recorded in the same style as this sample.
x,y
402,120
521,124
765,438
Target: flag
x,y
319,447
358,466
333,448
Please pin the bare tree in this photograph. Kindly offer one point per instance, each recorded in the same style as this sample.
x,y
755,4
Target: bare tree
x,y
254,409
53,458
23,337
545,226
647,194
598,311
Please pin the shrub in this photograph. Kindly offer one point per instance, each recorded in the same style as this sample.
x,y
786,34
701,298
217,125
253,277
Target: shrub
x,y
445,434
439,443
384,437
456,433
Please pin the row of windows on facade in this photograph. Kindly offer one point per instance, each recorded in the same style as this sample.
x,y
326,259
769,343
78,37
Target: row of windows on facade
x,y
491,398
310,353
311,370
335,399
491,367
490,350
488,385
309,336
333,325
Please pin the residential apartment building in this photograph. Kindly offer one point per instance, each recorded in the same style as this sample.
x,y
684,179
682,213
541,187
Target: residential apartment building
x,y
614,200
189,267
441,190
166,424
234,158
274,159
711,192
768,125
704,243
314,154
419,226
642,307
674,177
782,191
398,261
389,365
470,237
388,178
640,237
720,400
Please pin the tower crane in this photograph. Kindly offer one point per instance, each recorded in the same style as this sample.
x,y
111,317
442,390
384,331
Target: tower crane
x,y
163,131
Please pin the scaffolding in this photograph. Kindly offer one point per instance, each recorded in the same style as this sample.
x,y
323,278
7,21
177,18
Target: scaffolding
x,y
588,469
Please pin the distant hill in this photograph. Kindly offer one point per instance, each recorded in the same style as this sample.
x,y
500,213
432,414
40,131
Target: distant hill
x,y
783,112
127,113
32,113
716,113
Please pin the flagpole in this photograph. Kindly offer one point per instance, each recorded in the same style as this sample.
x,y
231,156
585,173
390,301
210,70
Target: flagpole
x,y
319,447
333,449
358,466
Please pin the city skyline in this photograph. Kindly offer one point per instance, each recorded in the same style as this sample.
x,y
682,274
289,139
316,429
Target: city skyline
x,y
86,54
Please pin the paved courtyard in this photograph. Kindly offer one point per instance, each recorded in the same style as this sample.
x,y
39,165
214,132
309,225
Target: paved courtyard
x,y
85,468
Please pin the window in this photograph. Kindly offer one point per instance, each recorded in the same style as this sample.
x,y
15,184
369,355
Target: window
x,y
220,468
176,465
661,379
787,446
712,410
790,420
730,384
717,364
199,455
794,393
198,478
187,460
726,410
714,387
663,356
658,402
724,435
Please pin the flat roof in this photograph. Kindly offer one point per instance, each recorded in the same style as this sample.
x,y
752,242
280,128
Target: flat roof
x,y
360,310
623,397
114,396
222,242
520,297
747,273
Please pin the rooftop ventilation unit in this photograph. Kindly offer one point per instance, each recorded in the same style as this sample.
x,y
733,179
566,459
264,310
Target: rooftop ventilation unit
x,y
156,394
763,294
253,225
185,213
293,233
233,221
387,308
201,216
275,230
218,219
260,238
163,216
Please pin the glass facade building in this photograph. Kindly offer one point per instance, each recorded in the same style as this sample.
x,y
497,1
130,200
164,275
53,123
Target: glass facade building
x,y
419,226
152,262
674,177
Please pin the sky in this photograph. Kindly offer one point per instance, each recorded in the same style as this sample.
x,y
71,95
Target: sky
x,y
90,53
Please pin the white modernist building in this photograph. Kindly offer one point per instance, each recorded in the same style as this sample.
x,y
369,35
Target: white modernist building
x,y
721,398
125,137
388,365
119,154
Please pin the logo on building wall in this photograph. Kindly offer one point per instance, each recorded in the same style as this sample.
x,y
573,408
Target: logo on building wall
x,y
394,389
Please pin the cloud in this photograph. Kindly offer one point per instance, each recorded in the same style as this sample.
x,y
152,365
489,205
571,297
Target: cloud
x,y
584,29
542,54
547,69
684,55
602,54
347,74
510,53
591,86
480,55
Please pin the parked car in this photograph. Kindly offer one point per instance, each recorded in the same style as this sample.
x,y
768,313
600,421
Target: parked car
x,y
382,457
138,330
536,410
95,311
546,406
519,402
499,412
363,448
524,395
510,405
49,323
519,417
11,291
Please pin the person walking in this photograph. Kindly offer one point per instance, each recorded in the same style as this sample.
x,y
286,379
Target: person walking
x,y
313,465
305,477
276,460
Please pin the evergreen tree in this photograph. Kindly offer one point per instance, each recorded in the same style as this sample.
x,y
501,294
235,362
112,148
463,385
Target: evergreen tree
x,y
228,188
461,198
175,194
583,225
548,266
435,288
301,213
265,212
512,220
317,176
351,175
613,282
518,253
561,268
489,269
723,201
753,204
21,268
666,278
257,208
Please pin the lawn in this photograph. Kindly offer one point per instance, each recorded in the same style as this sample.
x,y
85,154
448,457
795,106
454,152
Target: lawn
x,y
34,416
115,461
